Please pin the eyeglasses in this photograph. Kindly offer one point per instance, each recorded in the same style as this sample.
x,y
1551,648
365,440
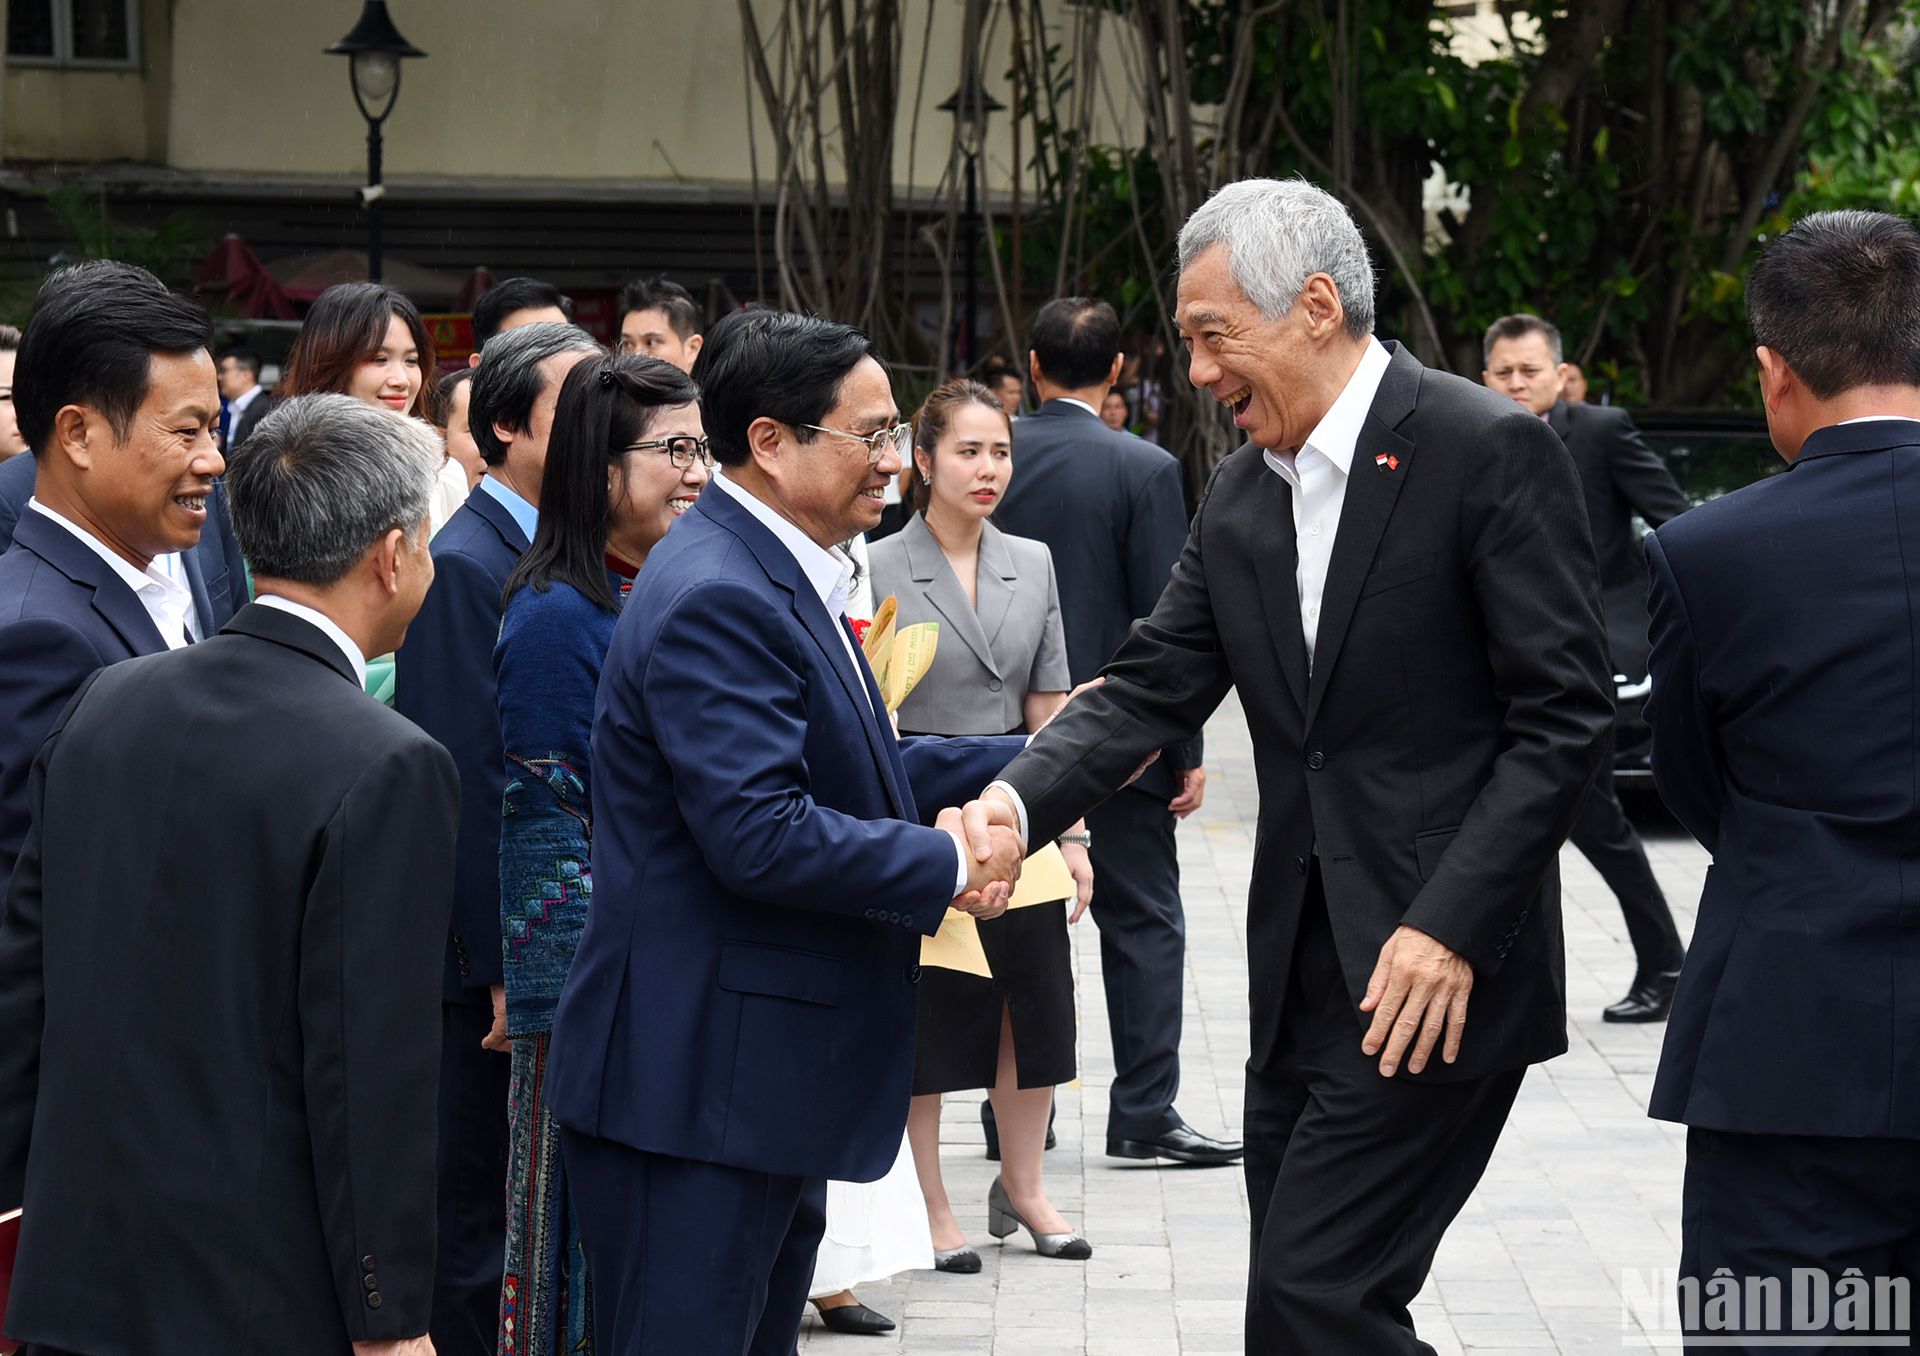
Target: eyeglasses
x,y
682,451
899,437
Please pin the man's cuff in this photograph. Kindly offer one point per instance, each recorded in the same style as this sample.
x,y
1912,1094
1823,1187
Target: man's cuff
x,y
1019,808
963,856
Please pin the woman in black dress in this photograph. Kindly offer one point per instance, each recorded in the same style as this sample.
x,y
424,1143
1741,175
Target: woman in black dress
x,y
1000,665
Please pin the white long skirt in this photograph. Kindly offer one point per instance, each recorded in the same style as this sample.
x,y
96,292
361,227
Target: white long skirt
x,y
874,1230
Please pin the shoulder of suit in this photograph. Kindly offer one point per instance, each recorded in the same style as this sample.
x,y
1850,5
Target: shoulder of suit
x,y
1027,552
32,586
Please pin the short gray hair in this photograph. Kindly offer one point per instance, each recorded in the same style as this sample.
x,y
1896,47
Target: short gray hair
x,y
1278,233
507,382
323,478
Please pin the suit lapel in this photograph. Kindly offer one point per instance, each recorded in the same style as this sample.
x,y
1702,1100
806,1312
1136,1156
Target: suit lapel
x,y
1276,560
860,687
927,564
197,585
784,572
995,585
1372,490
500,518
112,599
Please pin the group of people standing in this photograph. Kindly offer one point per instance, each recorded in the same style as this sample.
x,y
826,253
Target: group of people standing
x,y
538,1013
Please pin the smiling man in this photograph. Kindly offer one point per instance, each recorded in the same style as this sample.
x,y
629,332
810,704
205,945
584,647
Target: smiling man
x,y
738,1022
117,396
1422,665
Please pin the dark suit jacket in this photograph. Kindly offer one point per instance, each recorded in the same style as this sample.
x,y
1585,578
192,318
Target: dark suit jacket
x,y
63,614
1785,738
217,1088
743,992
215,573
1621,476
443,682
259,408
1436,757
1110,508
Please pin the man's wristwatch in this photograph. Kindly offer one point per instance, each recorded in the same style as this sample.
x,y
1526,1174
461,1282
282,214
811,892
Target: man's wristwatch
x,y
1082,839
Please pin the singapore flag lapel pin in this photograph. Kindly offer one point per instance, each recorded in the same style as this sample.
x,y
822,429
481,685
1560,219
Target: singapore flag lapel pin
x,y
1386,461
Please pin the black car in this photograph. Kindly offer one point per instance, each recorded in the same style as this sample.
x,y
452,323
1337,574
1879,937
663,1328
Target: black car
x,y
1709,453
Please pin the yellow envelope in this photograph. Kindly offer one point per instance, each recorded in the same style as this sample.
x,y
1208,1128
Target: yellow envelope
x,y
1044,879
913,650
878,642
956,946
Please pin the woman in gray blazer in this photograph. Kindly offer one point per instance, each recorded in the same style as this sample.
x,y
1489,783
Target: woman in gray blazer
x,y
1000,667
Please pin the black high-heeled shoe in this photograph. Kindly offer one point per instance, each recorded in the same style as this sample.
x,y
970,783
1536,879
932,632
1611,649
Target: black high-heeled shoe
x,y
853,1318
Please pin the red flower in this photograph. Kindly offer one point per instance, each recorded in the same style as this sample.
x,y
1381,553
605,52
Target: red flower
x,y
860,626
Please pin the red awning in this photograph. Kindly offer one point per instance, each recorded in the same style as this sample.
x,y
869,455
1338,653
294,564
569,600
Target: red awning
x,y
234,271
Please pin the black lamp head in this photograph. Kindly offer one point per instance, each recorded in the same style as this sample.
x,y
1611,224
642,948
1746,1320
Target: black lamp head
x,y
375,50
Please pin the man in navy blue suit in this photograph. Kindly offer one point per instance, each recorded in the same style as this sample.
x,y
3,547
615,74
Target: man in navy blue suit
x,y
1786,737
213,571
116,395
443,682
738,1023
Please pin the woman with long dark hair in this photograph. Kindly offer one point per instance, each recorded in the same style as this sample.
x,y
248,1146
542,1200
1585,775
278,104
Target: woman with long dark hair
x,y
627,457
368,341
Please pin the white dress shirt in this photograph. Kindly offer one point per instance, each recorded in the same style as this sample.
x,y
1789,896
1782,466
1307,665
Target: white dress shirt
x,y
158,587
1318,475
325,625
830,572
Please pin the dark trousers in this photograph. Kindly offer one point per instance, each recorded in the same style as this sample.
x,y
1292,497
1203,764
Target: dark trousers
x,y
690,1258
1606,838
1143,955
1352,1178
1762,1205
472,1169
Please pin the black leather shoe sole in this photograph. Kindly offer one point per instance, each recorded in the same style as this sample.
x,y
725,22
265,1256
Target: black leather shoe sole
x,y
856,1319
1221,1157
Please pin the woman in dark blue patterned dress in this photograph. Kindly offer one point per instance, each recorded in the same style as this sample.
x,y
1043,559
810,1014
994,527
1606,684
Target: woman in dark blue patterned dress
x,y
626,458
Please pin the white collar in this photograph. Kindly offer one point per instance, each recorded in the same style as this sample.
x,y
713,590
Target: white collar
x,y
1338,433
1069,400
245,398
138,580
827,568
327,627
1872,419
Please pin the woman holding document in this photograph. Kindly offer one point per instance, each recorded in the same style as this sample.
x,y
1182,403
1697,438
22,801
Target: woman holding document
x,y
1000,665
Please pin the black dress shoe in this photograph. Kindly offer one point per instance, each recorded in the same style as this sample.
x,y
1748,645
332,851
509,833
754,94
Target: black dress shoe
x,y
1183,1144
991,1129
1649,1000
856,1319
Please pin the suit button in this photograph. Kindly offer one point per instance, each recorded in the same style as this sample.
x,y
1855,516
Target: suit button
x,y
1316,760
869,913
366,1263
993,684
373,1300
1300,865
370,1281
913,974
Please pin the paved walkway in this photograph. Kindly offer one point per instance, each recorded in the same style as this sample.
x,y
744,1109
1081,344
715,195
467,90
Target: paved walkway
x,y
1579,1209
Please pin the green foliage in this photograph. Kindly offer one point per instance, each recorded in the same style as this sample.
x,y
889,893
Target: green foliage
x,y
1628,207
169,250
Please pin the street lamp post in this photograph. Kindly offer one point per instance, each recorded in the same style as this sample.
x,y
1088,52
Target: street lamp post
x,y
374,50
970,105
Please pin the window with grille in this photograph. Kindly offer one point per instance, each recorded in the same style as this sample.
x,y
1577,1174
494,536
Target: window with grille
x,y
87,34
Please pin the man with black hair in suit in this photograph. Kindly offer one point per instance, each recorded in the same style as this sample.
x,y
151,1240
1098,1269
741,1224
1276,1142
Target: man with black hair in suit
x,y
117,398
444,683
1785,739
659,319
217,1082
1110,508
513,303
1423,669
1619,476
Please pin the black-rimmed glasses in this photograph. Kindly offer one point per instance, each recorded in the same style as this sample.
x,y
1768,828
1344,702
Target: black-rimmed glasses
x,y
682,451
899,437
